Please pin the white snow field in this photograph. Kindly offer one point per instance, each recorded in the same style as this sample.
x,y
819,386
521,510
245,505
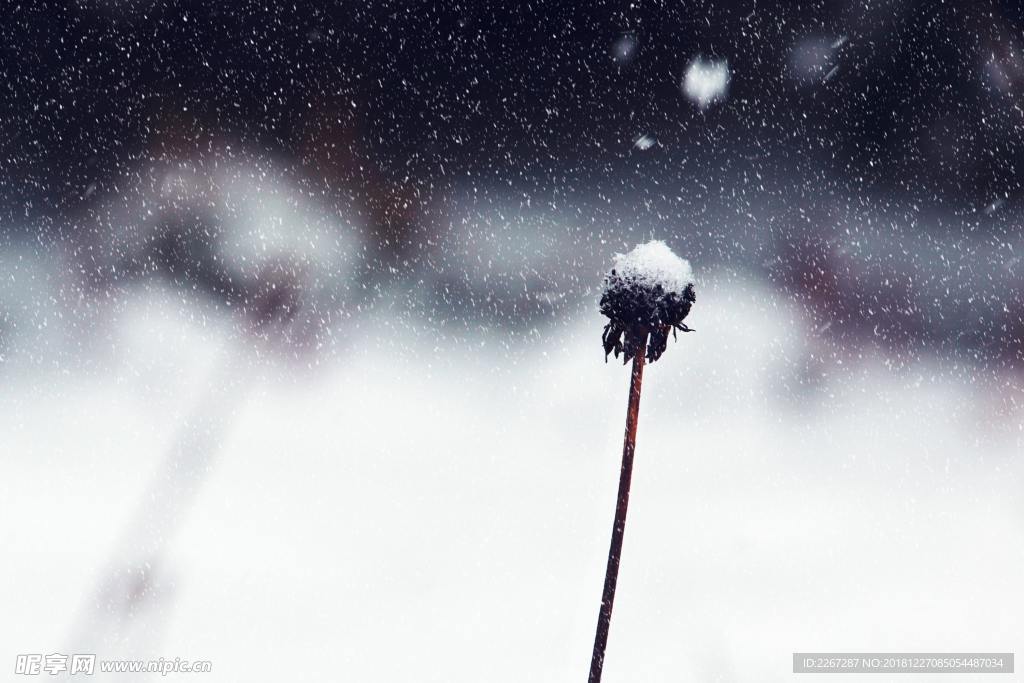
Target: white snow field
x,y
428,512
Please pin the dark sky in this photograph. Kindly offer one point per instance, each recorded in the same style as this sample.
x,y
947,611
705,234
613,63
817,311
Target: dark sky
x,y
865,158
527,93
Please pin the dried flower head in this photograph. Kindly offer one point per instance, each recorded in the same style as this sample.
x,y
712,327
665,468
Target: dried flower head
x,y
648,291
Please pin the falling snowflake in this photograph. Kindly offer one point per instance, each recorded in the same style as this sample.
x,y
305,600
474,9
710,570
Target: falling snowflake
x,y
644,142
706,82
624,49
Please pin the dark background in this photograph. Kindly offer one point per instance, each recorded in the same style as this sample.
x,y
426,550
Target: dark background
x,y
883,194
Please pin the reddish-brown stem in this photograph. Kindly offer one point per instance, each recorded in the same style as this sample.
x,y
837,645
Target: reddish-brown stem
x,y
611,575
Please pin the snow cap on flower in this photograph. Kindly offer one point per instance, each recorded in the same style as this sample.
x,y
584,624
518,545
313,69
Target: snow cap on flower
x,y
648,291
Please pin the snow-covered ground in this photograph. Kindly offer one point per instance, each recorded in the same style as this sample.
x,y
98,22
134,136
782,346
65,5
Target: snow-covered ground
x,y
412,511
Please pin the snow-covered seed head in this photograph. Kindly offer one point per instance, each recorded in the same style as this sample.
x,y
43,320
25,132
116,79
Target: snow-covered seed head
x,y
649,291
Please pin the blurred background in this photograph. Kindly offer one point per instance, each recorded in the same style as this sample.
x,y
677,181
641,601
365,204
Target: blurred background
x,y
300,362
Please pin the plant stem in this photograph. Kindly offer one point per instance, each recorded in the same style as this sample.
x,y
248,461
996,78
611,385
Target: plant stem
x,y
611,575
